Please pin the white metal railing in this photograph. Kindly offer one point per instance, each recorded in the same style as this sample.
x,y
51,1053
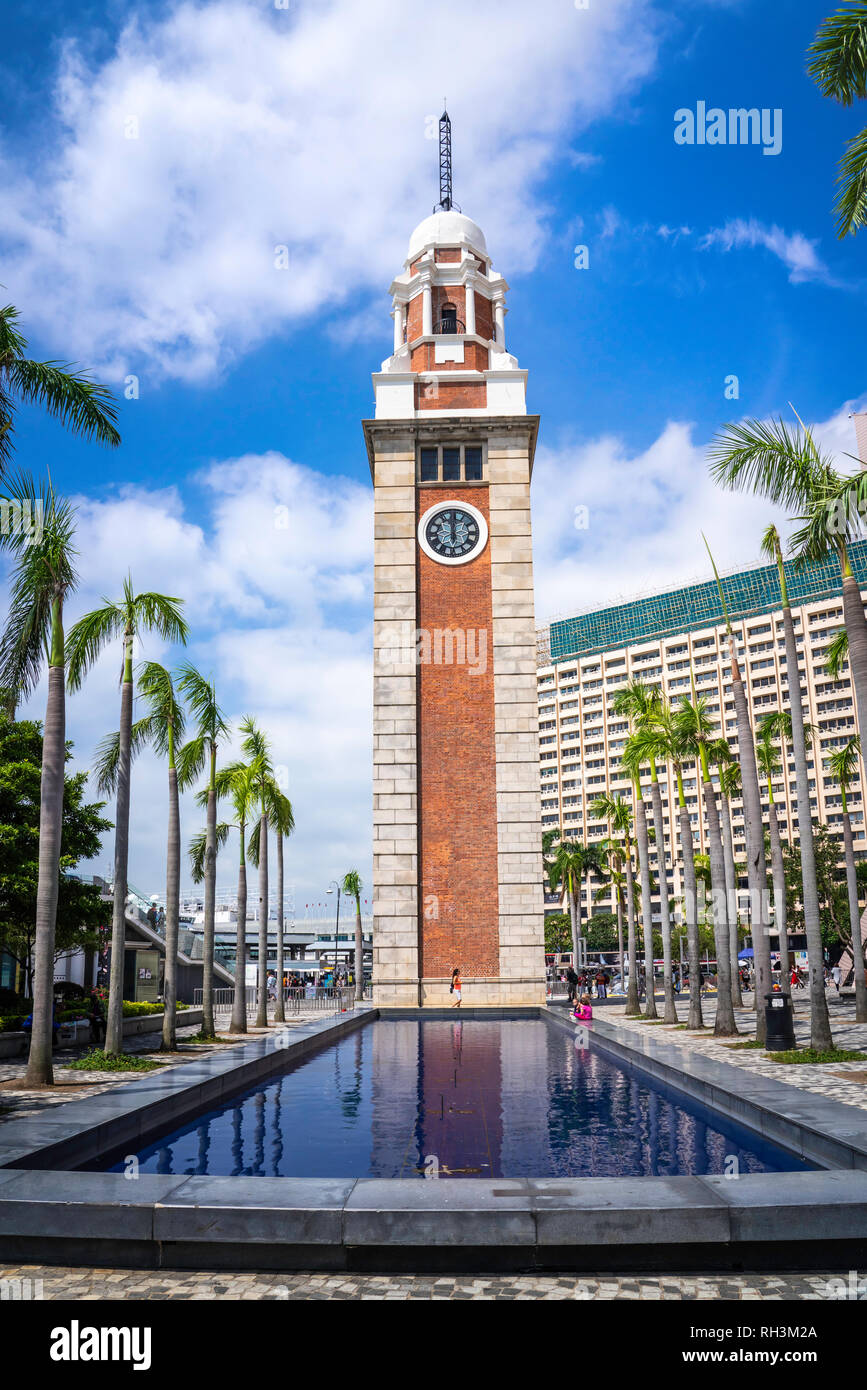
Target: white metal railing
x,y
310,998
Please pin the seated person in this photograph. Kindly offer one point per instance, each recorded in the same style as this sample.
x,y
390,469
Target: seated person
x,y
583,1010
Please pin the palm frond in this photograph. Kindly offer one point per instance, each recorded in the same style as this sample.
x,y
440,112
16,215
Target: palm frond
x,y
253,843
191,761
106,757
851,204
837,654
768,458
838,54
88,637
198,845
161,614
352,885
80,404
157,690
200,696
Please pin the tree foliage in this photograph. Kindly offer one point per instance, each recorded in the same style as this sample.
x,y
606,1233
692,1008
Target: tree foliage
x,y
80,912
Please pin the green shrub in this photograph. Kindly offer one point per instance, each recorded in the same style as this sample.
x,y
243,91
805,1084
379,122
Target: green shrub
x,y
11,1023
96,1060
808,1056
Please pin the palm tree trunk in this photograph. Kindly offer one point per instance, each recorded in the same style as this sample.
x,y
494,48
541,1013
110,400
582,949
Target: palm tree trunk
x,y
114,1019
670,1011
262,1001
820,1021
208,933
620,929
779,876
173,890
695,1019
855,923
573,920
359,954
239,998
646,908
279,1012
757,873
632,1005
39,1067
724,1025
731,899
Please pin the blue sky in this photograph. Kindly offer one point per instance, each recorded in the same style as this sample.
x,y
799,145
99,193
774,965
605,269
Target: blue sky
x,y
256,127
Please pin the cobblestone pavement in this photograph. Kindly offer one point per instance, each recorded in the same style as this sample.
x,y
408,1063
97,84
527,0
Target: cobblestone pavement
x,y
828,1079
98,1284
17,1101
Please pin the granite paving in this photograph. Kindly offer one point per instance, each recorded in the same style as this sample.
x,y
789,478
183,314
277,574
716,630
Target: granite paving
x,y
53,1283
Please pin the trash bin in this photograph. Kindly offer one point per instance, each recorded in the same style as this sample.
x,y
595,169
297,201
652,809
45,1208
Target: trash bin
x,y
779,1022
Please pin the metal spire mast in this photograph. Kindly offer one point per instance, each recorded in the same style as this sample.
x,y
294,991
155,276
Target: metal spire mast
x,y
446,202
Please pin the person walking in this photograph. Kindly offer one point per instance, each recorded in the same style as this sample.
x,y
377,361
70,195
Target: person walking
x,y
455,987
601,985
836,976
97,1017
571,983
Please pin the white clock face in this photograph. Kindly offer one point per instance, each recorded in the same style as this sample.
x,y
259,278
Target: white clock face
x,y
452,533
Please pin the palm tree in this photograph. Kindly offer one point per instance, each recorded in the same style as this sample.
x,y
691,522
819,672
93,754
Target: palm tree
x,y
632,764
167,721
799,733
163,728
839,69
770,766
564,872
729,786
754,834
236,783
255,747
618,814
664,740
843,767
197,754
837,655
642,704
351,886
284,824
126,618
698,731
81,405
786,466
42,577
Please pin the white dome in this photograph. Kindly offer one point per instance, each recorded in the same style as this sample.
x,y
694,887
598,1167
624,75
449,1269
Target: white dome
x,y
447,229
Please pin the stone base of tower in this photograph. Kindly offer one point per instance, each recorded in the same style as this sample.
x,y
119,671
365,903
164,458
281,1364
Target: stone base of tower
x,y
497,993
486,994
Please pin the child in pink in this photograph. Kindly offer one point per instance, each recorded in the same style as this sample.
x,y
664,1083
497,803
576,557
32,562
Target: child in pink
x,y
583,1010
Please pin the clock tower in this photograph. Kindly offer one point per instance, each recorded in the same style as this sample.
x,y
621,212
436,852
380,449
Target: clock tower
x,y
457,868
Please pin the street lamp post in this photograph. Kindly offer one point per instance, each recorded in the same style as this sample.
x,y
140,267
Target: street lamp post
x,y
335,884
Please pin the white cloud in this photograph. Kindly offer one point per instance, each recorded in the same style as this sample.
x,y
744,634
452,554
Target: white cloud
x,y
646,512
254,128
796,251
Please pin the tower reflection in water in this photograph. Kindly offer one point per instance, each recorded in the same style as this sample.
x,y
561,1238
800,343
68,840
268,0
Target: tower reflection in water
x,y
460,1098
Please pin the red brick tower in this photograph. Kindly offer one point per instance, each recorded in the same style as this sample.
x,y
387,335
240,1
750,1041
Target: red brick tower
x,y
457,830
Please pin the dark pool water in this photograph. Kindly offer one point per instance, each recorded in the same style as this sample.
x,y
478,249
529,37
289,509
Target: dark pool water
x,y
473,1098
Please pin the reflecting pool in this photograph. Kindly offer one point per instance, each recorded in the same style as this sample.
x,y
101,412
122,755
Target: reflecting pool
x,y
461,1098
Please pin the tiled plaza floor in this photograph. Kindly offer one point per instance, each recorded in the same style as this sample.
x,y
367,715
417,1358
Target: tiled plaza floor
x,y
100,1284
827,1079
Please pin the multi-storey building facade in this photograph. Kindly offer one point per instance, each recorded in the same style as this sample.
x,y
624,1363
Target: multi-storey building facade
x,y
665,641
